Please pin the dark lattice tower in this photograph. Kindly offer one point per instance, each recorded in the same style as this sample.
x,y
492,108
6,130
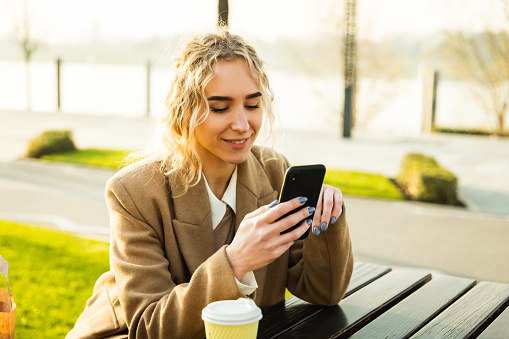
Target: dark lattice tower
x,y
350,70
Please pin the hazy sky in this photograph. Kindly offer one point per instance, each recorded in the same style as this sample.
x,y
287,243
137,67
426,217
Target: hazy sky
x,y
72,21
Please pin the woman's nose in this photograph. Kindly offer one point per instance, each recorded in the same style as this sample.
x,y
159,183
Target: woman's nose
x,y
240,120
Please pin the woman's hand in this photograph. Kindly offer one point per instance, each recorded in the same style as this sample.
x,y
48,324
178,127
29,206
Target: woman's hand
x,y
258,241
328,209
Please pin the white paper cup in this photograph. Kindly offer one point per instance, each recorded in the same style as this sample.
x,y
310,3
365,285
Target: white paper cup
x,y
231,319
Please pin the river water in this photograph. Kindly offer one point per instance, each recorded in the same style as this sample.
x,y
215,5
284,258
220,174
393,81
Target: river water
x,y
303,102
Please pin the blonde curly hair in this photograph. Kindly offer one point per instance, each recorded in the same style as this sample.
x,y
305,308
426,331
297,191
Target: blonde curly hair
x,y
186,105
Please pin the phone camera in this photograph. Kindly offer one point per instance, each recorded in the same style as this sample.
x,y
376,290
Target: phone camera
x,y
294,178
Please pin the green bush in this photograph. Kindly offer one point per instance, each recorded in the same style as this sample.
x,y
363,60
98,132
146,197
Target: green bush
x,y
424,179
51,142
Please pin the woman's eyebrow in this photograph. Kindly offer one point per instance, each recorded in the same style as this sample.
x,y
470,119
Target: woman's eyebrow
x,y
221,98
254,95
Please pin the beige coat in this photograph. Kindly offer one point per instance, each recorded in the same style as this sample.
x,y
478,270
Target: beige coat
x,y
164,267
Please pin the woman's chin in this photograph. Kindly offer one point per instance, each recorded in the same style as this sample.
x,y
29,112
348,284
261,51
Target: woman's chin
x,y
237,159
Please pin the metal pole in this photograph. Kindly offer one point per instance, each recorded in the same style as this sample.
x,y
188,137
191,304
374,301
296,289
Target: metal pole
x,y
59,98
148,71
429,99
347,116
434,102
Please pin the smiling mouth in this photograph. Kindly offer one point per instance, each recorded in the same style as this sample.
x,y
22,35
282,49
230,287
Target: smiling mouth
x,y
237,141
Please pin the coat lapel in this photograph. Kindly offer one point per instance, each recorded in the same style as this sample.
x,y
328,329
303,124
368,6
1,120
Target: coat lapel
x,y
253,188
253,191
192,225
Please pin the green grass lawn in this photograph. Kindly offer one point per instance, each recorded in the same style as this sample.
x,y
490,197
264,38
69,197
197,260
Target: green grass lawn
x,y
51,274
364,184
91,156
354,183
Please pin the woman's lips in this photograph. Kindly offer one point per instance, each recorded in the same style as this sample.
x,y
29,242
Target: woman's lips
x,y
237,143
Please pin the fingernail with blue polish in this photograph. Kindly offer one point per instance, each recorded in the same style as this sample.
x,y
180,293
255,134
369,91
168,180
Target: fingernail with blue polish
x,y
324,226
272,204
332,220
316,231
303,200
309,221
311,209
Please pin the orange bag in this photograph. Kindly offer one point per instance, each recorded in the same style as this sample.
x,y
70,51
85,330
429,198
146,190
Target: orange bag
x,y
7,305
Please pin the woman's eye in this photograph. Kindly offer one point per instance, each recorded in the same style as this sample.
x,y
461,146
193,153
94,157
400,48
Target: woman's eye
x,y
254,106
218,110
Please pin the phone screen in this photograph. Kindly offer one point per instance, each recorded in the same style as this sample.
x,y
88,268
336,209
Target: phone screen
x,y
302,181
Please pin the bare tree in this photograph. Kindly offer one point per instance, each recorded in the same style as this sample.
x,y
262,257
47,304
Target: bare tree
x,y
222,10
24,37
483,58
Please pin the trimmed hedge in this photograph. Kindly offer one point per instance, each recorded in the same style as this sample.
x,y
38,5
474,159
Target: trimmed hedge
x,y
470,131
51,142
423,179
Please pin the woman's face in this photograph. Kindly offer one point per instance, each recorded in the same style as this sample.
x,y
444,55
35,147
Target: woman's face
x,y
235,117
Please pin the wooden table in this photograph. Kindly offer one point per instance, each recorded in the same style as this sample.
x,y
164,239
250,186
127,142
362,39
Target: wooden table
x,y
393,303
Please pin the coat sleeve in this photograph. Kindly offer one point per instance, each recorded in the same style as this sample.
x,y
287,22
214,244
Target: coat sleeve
x,y
154,305
320,267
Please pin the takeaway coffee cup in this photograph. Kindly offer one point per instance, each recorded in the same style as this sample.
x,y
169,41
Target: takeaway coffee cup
x,y
231,319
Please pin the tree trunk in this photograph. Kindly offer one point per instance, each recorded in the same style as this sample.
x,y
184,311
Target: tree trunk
x,y
501,120
28,85
223,13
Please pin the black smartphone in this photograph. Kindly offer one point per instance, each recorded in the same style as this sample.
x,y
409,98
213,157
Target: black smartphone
x,y
302,181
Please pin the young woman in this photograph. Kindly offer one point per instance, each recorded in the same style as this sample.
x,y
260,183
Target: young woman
x,y
195,222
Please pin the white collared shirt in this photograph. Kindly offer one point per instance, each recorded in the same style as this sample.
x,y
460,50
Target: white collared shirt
x,y
229,198
247,283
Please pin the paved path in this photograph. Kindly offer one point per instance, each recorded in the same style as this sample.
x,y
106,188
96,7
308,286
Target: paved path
x,y
468,241
70,198
444,238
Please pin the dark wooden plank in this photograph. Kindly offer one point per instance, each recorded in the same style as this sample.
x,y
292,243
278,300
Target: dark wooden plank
x,y
358,309
416,310
293,311
498,329
467,316
363,274
285,315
